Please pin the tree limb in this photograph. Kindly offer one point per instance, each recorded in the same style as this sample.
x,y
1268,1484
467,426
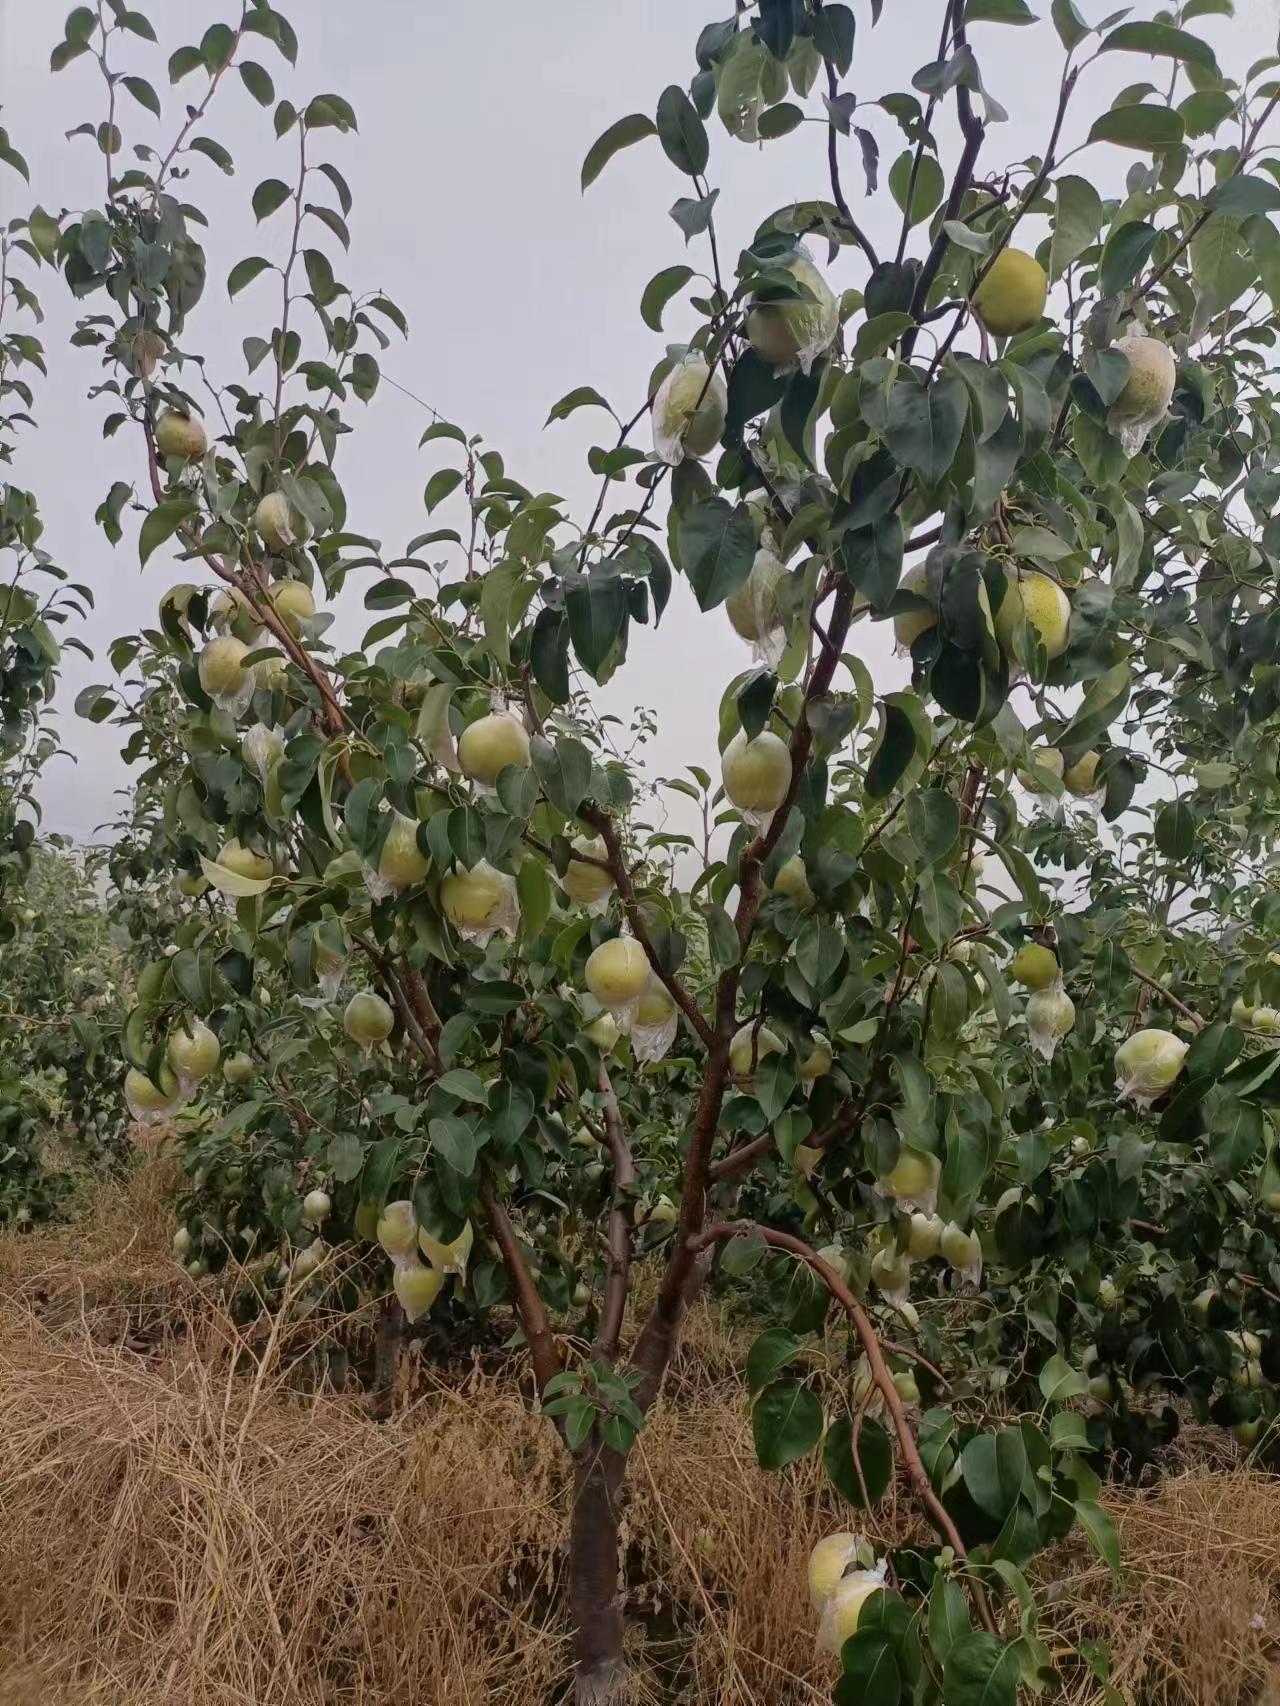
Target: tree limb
x,y
918,1475
544,1353
617,1281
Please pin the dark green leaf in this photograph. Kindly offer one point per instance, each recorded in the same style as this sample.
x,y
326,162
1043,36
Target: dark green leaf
x,y
981,1671
769,1355
681,132
634,128
875,1454
659,291
925,423
1160,40
717,549
786,1422
1149,129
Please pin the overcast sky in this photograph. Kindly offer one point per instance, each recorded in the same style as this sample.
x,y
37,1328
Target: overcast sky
x,y
473,124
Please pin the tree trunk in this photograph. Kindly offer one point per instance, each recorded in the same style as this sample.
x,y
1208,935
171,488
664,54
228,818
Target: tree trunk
x,y
388,1331
600,1677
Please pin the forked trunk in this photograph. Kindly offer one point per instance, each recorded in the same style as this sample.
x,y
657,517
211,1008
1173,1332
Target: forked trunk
x,y
600,1676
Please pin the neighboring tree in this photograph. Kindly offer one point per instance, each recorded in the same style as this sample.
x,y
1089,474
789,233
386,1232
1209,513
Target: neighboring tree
x,y
566,1044
55,1077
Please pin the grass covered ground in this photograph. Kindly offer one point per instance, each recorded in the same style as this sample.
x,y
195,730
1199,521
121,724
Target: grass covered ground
x,y
184,1519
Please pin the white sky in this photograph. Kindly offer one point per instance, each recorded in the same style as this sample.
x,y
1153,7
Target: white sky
x,y
473,124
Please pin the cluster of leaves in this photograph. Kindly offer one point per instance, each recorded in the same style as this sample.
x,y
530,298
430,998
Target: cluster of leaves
x,y
498,1096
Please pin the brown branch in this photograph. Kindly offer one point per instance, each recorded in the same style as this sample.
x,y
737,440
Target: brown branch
x,y
973,130
624,1177
916,1472
833,165
544,1353
423,1007
286,276
336,717
739,1160
1033,189
197,113
657,1337
599,820
1157,988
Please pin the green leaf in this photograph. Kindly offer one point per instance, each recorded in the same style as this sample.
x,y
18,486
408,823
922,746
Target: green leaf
x,y
995,1466
1175,830
780,121
583,397
659,291
1235,1137
870,1674
162,523
270,195
895,749
345,1157
1123,257
872,559
217,45
454,1139
439,486
213,151
875,1454
933,820
634,128
244,272
717,548
1058,1381
928,191
258,82
925,423
768,1356
597,608
329,109
998,12
948,1616
564,771
833,35
981,1671
1244,194
143,93
681,132
1102,1534
1149,129
1070,26
786,1423
1161,41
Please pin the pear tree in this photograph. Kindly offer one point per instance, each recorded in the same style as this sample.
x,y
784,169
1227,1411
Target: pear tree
x,y
944,1026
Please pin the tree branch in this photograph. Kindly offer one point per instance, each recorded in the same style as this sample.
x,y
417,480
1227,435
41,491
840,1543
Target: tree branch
x,y
544,1353
918,1475
619,1236
599,820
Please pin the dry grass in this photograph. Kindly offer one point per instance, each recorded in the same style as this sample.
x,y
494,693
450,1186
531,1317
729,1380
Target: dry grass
x,y
179,1526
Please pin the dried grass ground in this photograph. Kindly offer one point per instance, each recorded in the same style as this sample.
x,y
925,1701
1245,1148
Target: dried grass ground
x,y
181,1526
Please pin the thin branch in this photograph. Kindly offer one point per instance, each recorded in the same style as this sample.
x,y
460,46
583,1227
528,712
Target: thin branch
x,y
624,1177
1157,988
286,276
599,820
918,1475
544,1353
833,165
